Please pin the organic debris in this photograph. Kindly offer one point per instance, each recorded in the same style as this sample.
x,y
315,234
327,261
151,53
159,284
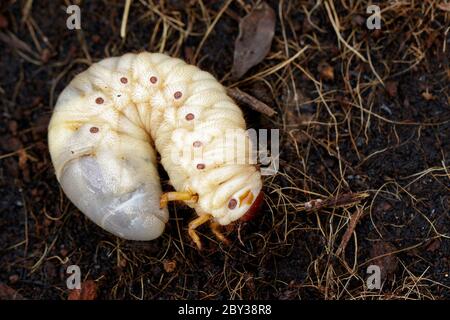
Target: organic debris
x,y
253,43
88,291
326,71
252,102
169,265
343,200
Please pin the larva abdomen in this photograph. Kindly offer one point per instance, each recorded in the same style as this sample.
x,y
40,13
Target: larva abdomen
x,y
129,213
110,118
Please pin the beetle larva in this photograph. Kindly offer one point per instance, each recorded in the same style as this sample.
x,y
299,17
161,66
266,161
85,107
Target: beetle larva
x,y
102,138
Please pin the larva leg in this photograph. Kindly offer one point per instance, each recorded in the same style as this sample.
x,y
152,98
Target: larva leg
x,y
215,228
177,195
194,224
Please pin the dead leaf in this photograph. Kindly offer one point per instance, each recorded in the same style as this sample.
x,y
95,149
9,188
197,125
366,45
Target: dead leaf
x,y
88,291
253,43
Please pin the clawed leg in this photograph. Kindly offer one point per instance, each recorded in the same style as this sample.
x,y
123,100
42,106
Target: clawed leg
x,y
194,224
177,195
215,228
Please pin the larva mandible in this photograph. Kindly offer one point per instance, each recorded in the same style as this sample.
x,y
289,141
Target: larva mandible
x,y
102,138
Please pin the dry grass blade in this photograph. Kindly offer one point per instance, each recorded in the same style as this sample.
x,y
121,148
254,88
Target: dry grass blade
x,y
343,200
334,19
126,11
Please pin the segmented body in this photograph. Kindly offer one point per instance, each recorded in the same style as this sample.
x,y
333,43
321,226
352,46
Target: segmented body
x,y
107,123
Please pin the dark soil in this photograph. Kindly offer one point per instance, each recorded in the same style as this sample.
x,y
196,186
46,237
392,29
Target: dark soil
x,y
348,133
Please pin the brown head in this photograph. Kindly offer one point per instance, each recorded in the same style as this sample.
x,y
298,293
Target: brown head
x,y
254,209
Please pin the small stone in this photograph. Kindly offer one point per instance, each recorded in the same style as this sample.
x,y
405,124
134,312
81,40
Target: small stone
x,y
391,88
13,278
169,265
45,55
326,71
63,252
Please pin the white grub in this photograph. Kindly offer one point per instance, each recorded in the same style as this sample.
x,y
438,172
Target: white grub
x,y
110,121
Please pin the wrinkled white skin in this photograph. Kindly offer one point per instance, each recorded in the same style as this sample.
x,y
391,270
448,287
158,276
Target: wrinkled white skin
x,y
104,155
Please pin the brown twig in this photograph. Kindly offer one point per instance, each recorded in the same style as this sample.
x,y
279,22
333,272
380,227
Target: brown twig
x,y
350,229
343,200
251,101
